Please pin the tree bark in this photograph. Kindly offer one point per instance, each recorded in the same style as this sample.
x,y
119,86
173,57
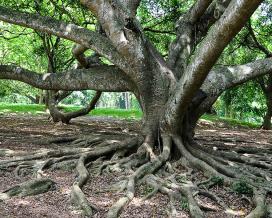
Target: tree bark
x,y
58,116
267,118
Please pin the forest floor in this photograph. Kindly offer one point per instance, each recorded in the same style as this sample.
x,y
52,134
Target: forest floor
x,y
28,133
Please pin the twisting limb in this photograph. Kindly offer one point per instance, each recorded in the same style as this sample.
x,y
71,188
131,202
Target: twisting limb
x,y
66,117
78,52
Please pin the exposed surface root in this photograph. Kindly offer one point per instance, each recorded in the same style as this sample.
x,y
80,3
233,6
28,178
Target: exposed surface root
x,y
77,195
143,170
38,161
32,187
188,182
260,204
230,169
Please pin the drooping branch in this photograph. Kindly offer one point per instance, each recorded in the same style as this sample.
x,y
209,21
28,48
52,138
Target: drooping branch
x,y
206,55
78,34
66,117
101,78
256,41
222,78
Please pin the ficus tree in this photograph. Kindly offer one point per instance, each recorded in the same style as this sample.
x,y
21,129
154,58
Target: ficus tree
x,y
174,90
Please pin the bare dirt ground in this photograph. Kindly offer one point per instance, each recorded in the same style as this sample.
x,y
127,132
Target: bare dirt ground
x,y
23,134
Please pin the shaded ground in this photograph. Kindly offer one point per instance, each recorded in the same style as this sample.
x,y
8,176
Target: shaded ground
x,y
22,134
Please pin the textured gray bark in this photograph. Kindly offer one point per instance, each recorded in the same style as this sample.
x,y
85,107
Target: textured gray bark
x,y
58,116
97,78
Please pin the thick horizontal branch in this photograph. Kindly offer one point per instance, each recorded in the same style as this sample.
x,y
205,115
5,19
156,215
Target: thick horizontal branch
x,y
222,78
102,78
78,34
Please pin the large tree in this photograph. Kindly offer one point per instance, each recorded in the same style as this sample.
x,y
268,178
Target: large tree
x,y
173,92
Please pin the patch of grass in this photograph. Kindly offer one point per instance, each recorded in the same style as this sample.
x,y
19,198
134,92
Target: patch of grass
x,y
120,113
230,121
147,189
36,109
216,180
184,204
22,108
242,187
109,112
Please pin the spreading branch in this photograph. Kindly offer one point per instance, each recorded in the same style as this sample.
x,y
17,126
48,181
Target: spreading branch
x,y
58,115
222,78
78,34
102,78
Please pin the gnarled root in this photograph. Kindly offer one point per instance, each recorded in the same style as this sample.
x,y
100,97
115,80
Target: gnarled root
x,y
230,168
32,187
143,170
144,164
38,161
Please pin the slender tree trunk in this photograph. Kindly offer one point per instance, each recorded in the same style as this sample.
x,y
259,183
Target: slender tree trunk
x,y
268,115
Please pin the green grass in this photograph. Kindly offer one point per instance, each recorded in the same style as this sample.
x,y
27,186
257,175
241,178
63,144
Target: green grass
x,y
230,121
22,108
110,112
39,109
